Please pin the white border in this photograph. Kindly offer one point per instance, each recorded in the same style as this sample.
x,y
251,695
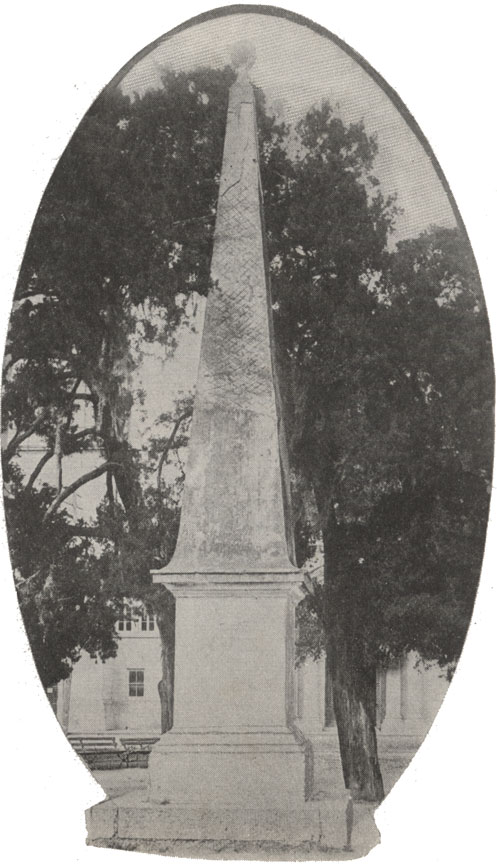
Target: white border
x,y
439,58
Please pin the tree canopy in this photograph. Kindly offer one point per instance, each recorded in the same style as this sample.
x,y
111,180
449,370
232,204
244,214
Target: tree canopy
x,y
387,372
124,230
387,379
122,239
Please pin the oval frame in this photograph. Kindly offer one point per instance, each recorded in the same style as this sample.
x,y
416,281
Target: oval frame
x,y
323,32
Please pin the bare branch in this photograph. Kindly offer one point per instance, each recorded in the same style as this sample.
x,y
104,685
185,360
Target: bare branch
x,y
73,487
169,444
74,390
37,471
20,437
110,488
48,455
57,450
86,397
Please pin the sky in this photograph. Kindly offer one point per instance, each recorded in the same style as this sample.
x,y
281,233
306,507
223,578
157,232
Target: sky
x,y
297,68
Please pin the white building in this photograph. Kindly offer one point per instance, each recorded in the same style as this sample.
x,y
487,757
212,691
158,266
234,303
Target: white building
x,y
121,695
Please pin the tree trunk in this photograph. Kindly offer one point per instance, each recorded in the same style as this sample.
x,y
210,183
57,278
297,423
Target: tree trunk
x,y
354,700
166,614
353,679
109,383
329,710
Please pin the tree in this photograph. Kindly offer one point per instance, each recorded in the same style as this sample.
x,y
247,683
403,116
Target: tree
x,y
387,366
384,369
124,228
122,239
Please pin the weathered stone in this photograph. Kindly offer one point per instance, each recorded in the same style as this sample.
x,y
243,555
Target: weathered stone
x,y
322,823
233,740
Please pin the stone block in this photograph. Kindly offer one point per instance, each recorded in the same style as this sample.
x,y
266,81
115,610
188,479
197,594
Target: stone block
x,y
289,826
101,821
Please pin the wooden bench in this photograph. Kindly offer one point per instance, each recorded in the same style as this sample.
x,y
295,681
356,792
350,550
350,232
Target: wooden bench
x,y
99,751
137,749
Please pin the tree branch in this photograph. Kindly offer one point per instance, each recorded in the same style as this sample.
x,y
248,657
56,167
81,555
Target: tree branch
x,y
73,487
87,397
48,455
209,217
74,390
37,471
57,449
22,583
169,444
91,430
20,437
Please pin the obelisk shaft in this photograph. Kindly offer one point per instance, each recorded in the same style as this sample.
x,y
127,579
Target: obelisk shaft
x,y
233,510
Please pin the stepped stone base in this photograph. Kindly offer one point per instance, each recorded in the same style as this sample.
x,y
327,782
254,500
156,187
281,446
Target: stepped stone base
x,y
314,823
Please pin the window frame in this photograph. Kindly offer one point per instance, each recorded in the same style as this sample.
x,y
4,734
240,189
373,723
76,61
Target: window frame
x,y
136,683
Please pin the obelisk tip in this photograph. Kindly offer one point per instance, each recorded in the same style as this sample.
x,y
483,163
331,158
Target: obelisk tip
x,y
243,55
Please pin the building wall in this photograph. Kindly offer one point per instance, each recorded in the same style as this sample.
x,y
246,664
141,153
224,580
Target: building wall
x,y
408,698
100,699
97,697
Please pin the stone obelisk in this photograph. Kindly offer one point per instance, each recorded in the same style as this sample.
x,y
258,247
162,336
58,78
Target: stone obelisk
x,y
233,741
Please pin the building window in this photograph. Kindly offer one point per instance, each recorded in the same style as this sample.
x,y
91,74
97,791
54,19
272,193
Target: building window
x,y
52,696
148,622
126,621
136,678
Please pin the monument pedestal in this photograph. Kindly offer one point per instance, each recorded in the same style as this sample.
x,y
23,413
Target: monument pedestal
x,y
231,769
234,742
